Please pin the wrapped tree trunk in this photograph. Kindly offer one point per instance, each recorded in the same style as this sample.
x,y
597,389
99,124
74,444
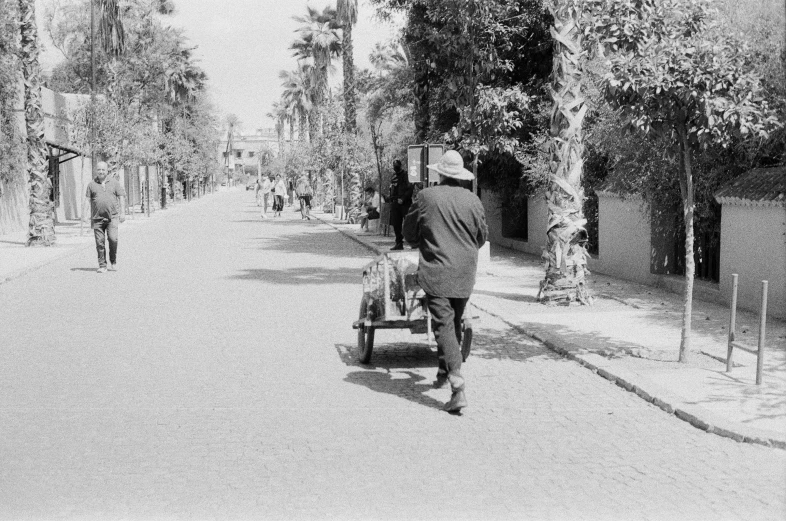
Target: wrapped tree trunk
x,y
350,110
565,254
42,225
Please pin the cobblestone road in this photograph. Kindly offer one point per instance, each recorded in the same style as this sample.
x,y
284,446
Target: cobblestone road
x,y
213,377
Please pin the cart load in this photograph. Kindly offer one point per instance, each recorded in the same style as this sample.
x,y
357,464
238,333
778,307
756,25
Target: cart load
x,y
393,299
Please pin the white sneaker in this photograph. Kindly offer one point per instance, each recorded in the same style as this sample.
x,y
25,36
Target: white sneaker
x,y
113,267
101,270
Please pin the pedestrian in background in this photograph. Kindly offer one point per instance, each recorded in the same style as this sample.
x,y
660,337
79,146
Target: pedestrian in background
x,y
264,194
106,199
304,193
291,191
279,193
400,201
448,224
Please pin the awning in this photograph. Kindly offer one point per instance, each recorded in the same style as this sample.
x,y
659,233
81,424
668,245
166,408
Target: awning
x,y
62,153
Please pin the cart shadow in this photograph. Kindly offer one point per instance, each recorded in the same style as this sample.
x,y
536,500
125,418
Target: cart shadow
x,y
393,371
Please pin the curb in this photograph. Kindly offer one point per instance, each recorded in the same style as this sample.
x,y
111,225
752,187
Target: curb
x,y
659,397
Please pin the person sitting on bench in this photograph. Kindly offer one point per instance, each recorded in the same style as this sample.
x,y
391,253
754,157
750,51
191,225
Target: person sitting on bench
x,y
371,208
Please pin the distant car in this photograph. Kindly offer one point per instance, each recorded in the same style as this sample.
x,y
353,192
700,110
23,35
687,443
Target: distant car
x,y
251,186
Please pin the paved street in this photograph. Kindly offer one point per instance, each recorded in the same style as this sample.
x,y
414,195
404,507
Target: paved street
x,y
214,377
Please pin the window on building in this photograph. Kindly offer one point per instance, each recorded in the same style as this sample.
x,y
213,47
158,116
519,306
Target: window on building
x,y
239,154
250,154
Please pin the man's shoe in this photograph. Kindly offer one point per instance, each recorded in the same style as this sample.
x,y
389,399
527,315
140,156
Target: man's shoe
x,y
398,246
101,270
457,402
113,267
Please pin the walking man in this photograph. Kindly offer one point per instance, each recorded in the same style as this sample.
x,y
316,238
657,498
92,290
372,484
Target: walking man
x,y
400,201
304,193
106,199
448,224
264,194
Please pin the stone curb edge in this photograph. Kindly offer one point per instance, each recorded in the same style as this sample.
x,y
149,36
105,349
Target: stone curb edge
x,y
669,405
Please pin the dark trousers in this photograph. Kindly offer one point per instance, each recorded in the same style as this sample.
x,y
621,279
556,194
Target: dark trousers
x,y
397,214
446,316
106,231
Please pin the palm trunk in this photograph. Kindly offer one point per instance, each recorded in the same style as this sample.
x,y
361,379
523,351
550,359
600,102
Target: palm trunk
x,y
417,16
42,226
686,188
565,255
350,110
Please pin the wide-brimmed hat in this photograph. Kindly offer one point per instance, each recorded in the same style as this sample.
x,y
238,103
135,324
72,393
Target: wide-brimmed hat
x,y
451,165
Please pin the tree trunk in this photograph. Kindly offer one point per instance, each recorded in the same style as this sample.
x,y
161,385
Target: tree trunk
x,y
566,255
41,229
686,188
377,151
350,110
417,16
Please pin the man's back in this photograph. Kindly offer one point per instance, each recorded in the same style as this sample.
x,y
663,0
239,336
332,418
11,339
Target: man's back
x,y
449,225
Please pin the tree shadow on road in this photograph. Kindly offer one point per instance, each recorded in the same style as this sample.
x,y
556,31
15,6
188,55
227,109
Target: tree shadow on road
x,y
320,241
299,276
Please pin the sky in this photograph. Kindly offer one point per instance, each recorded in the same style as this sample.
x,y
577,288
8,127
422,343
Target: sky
x,y
243,44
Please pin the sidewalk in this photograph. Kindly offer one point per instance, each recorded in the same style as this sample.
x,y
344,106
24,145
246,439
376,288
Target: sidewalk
x,y
631,336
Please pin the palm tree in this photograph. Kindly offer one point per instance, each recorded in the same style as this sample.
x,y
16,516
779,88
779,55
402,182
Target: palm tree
x,y
347,16
183,80
565,253
297,96
281,116
41,229
316,46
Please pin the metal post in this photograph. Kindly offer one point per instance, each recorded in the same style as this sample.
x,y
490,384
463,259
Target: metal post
x,y
762,331
386,289
732,321
147,189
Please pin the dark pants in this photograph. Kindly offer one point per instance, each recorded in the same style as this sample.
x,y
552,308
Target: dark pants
x,y
446,316
103,231
397,214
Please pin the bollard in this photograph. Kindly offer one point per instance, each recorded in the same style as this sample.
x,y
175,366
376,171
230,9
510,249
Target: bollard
x,y
762,331
732,321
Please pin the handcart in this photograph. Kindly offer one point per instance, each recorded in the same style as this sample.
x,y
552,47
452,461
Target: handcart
x,y
392,299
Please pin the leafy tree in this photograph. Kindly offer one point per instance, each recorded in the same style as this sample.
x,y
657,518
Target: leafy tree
x,y
691,85
12,153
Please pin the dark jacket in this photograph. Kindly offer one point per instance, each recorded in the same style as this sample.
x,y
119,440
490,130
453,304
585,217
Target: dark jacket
x,y
448,224
401,188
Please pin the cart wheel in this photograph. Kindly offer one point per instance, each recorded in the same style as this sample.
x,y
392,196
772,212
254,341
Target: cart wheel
x,y
466,339
365,335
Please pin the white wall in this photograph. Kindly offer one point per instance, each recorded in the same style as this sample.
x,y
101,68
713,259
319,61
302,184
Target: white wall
x,y
537,220
624,239
753,245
